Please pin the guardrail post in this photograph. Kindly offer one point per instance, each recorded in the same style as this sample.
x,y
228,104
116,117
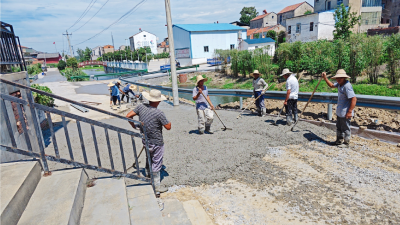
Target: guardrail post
x,y
329,111
241,102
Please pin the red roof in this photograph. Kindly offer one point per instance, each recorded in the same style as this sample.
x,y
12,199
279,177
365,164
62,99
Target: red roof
x,y
260,16
22,46
261,30
291,7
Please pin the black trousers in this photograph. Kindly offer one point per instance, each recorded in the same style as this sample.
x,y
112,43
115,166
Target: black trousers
x,y
291,107
115,98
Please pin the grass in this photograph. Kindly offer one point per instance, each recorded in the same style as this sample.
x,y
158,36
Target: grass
x,y
94,67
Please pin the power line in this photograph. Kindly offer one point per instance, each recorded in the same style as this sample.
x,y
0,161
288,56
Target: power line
x,y
92,16
119,19
83,14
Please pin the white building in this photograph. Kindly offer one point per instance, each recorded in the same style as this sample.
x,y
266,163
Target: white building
x,y
310,27
251,44
97,52
143,39
195,43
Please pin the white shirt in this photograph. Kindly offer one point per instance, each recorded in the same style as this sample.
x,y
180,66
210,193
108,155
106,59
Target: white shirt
x,y
293,85
259,84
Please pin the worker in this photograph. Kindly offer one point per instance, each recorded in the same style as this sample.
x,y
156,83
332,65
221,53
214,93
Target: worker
x,y
345,106
259,87
110,89
116,93
204,110
292,94
154,120
129,89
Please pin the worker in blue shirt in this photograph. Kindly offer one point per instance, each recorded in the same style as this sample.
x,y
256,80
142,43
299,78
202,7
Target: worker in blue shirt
x,y
115,93
129,89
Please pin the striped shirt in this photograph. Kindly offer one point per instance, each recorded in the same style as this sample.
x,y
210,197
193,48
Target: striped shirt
x,y
154,120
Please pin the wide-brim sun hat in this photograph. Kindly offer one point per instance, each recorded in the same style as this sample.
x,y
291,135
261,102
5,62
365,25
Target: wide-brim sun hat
x,y
341,74
285,71
118,82
154,96
110,84
255,72
200,78
132,87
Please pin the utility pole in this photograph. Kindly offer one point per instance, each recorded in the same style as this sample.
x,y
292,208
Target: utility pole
x,y
112,38
172,53
69,43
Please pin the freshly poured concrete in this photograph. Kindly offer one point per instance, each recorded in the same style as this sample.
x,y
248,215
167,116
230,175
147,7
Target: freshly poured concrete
x,y
174,213
18,182
196,213
143,206
106,203
58,199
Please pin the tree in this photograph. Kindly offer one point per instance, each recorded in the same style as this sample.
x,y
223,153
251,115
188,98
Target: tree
x,y
61,65
256,36
247,14
281,37
308,12
72,62
356,57
374,57
392,55
99,58
344,22
271,34
80,53
87,54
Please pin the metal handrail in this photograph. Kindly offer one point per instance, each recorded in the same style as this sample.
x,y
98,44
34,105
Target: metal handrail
x,y
29,122
370,101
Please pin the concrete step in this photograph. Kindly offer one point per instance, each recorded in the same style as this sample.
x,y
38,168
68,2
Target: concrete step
x,y
58,199
144,209
106,203
174,213
18,182
196,213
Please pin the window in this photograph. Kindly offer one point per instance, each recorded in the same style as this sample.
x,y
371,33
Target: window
x,y
398,21
383,5
256,46
289,30
272,17
312,26
298,28
280,19
144,35
232,47
205,48
329,5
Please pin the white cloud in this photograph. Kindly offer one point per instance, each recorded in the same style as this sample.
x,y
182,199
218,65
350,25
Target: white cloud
x,y
40,23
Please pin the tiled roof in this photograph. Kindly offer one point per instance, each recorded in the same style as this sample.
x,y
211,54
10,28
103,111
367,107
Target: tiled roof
x,y
291,7
208,27
261,30
48,55
108,46
259,40
260,16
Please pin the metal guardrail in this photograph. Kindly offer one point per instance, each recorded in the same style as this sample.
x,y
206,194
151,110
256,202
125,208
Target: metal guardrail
x,y
370,101
27,118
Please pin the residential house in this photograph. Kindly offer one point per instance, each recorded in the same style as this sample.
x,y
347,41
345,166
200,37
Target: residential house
x,y
384,31
264,20
251,44
108,48
370,11
293,11
143,39
163,46
391,12
262,32
195,43
311,27
49,57
240,24
97,52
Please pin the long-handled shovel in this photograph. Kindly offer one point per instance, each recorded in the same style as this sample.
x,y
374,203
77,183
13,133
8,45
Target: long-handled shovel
x,y
225,128
320,79
279,115
134,164
250,104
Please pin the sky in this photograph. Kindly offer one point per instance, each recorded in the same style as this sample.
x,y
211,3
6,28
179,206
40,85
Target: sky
x,y
40,23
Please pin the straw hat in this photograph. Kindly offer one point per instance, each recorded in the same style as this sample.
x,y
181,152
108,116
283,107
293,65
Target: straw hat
x,y
200,78
110,84
285,71
255,72
118,82
341,74
154,96
132,87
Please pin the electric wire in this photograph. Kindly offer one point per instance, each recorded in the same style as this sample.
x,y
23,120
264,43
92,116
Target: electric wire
x,y
83,14
92,16
119,19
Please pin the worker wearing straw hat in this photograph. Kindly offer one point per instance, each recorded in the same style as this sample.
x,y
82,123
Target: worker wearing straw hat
x,y
204,111
110,89
154,120
345,106
128,89
115,93
259,86
292,94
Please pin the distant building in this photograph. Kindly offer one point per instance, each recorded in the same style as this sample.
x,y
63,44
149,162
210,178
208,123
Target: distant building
x,y
391,12
97,52
122,47
163,46
293,11
384,31
240,24
312,27
194,43
49,57
143,39
264,20
108,48
262,32
251,44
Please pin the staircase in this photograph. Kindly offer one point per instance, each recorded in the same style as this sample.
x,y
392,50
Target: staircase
x,y
69,197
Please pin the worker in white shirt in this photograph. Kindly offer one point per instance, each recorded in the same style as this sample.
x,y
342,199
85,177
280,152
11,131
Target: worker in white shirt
x,y
292,94
259,87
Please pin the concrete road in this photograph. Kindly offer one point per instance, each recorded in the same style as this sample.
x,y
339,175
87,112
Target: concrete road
x,y
53,75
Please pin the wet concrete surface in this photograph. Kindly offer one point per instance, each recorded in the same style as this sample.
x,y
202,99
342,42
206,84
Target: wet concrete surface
x,y
53,75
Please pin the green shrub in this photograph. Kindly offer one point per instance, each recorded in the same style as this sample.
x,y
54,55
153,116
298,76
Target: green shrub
x,y
34,69
72,62
61,65
15,69
52,65
43,99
